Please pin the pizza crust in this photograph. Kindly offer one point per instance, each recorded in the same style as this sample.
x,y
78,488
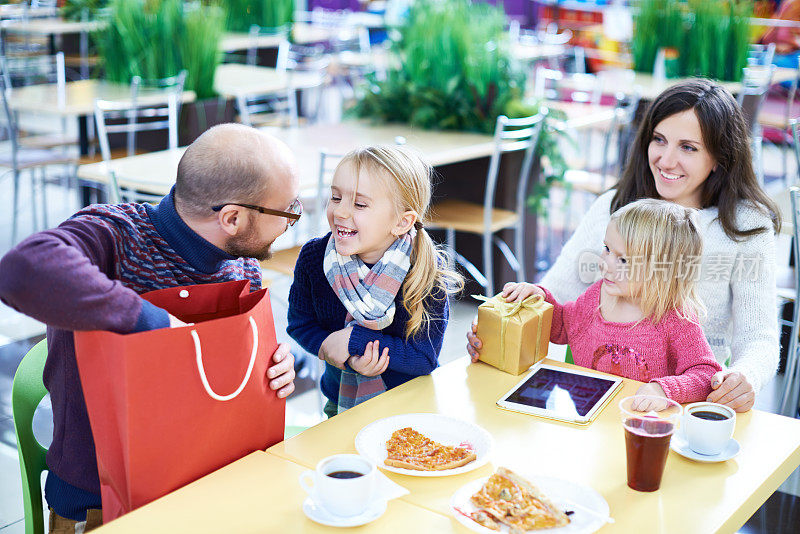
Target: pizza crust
x,y
442,467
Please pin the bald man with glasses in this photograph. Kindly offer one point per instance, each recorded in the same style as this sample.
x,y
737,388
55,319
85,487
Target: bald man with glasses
x,y
235,193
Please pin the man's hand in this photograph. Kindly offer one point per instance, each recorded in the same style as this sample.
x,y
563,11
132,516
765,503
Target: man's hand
x,y
372,362
731,388
281,373
473,343
334,349
516,291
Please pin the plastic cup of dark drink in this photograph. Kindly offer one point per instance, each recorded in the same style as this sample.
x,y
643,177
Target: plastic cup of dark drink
x,y
649,423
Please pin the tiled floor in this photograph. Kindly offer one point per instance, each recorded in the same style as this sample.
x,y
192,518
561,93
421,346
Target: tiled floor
x,y
18,333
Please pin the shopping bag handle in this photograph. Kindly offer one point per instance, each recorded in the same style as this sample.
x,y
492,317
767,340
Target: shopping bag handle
x,y
199,353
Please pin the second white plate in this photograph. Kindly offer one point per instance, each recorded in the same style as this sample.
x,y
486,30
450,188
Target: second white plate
x,y
371,440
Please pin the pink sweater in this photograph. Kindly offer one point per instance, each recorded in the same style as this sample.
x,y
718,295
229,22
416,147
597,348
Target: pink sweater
x,y
673,353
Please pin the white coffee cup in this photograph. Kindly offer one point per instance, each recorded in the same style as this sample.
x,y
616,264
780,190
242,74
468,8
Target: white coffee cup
x,y
708,427
345,497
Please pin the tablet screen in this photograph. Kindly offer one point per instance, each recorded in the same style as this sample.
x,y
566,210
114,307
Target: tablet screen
x,y
561,392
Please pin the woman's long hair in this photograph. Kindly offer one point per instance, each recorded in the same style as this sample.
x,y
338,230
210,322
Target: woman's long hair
x,y
725,136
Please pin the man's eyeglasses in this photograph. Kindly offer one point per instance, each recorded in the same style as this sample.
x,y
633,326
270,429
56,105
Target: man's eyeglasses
x,y
292,213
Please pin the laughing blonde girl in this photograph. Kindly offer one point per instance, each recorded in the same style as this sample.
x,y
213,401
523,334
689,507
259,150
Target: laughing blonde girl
x,y
371,297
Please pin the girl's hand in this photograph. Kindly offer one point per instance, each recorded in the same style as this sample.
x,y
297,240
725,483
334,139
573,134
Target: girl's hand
x,y
473,343
732,389
334,349
516,291
372,362
646,405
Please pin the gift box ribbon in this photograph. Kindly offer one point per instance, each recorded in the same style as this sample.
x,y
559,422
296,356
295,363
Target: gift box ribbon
x,y
507,310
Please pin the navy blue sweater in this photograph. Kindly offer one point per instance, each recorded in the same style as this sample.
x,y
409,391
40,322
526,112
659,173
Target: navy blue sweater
x,y
315,312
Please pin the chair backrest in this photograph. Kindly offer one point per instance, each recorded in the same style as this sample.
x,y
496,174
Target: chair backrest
x,y
512,135
257,31
26,70
280,106
554,84
27,392
758,54
755,84
140,112
327,166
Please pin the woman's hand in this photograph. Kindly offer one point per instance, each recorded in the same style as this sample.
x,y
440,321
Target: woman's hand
x,y
334,349
473,343
732,389
516,291
372,362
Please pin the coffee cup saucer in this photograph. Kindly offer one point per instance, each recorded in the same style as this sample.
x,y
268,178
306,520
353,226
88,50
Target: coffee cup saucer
x,y
679,444
316,512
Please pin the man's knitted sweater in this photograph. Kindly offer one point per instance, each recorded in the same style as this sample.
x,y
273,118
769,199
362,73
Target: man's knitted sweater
x,y
736,284
316,312
87,274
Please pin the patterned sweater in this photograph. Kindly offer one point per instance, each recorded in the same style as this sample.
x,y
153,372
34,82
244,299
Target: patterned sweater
x,y
736,284
673,353
86,275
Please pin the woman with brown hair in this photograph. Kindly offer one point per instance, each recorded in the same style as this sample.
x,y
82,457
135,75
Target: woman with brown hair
x,y
692,148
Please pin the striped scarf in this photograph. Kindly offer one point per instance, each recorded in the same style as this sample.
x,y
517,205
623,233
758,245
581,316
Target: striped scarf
x,y
368,296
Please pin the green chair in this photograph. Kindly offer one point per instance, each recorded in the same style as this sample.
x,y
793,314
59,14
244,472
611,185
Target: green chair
x,y
292,430
26,393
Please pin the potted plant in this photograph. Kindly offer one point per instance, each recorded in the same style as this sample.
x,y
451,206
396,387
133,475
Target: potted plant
x,y
242,14
711,38
156,39
455,72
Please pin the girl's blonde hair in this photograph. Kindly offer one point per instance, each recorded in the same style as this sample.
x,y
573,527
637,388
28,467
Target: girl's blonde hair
x,y
408,178
663,246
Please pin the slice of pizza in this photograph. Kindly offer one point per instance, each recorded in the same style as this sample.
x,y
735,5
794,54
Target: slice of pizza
x,y
410,449
512,500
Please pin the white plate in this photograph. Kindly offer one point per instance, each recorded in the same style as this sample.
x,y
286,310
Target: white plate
x,y
679,444
371,440
590,509
317,513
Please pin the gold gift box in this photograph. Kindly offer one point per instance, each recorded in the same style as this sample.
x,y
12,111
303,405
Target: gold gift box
x,y
514,335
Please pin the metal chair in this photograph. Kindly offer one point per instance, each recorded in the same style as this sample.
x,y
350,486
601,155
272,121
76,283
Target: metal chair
x,y
779,123
20,158
758,54
18,71
144,111
755,84
791,389
511,135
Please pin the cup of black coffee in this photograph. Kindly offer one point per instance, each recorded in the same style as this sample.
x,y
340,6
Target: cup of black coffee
x,y
708,427
343,484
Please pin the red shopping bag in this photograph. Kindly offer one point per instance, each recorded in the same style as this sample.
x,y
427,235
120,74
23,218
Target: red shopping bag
x,y
169,406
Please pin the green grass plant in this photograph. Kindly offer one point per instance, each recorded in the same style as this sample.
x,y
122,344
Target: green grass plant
x,y
156,39
242,14
712,37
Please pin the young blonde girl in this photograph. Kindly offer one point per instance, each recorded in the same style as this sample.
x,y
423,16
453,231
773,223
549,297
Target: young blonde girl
x,y
370,298
641,320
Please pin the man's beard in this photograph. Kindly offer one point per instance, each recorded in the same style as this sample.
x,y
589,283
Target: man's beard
x,y
248,246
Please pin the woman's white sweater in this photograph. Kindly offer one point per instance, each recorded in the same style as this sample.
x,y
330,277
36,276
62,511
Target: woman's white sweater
x,y
736,284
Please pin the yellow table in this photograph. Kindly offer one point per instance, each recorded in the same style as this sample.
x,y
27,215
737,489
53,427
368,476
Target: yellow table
x,y
257,494
260,492
694,497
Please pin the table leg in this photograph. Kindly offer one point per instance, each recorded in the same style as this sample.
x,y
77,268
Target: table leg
x,y
88,195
